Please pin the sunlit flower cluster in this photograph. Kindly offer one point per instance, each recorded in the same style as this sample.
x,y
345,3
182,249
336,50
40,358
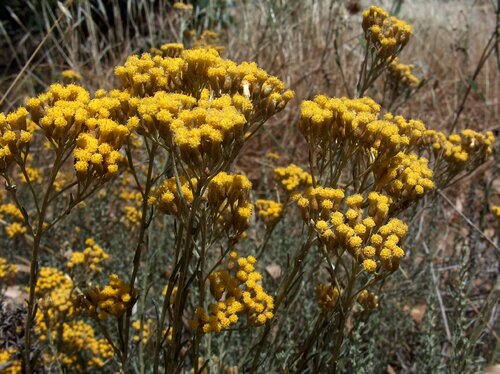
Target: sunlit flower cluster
x,y
404,177
70,76
401,74
147,329
292,177
202,104
318,201
237,290
97,148
363,227
6,270
78,339
386,35
170,200
89,259
9,361
228,199
60,112
269,210
15,132
11,213
54,289
113,299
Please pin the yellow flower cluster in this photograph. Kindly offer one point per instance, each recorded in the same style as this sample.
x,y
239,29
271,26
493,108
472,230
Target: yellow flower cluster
x,y
228,196
468,147
147,329
359,227
353,126
292,177
269,210
325,120
62,180
404,177
243,294
8,361
89,259
179,5
56,317
78,338
6,270
115,298
200,68
70,75
15,228
60,112
173,294
208,39
386,35
495,209
133,199
402,74
15,132
168,50
54,289
368,300
169,200
97,148
318,201
327,297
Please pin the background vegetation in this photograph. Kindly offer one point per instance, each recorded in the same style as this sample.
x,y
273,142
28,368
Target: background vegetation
x,y
438,312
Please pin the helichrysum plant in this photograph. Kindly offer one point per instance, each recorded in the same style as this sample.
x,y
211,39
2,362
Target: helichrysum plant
x,y
164,143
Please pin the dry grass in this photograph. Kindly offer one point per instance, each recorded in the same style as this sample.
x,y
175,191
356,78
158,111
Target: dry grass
x,y
314,47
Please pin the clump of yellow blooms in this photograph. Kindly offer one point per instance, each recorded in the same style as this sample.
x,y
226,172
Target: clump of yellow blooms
x,y
269,210
168,50
237,290
404,177
292,177
54,289
169,200
56,316
318,201
9,361
327,297
362,226
401,74
60,111
78,338
466,149
10,211
179,5
368,300
15,229
495,209
147,329
200,104
89,259
391,145
208,39
97,149
70,76
114,299
228,198
386,35
6,270
15,132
